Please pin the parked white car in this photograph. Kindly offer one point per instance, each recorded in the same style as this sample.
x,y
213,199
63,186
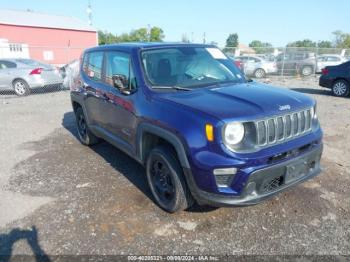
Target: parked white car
x,y
329,60
256,66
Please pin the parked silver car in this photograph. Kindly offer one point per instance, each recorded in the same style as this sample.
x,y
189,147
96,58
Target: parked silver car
x,y
329,60
22,75
256,66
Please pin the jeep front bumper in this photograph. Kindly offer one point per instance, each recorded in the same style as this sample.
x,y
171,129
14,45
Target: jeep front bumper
x,y
264,183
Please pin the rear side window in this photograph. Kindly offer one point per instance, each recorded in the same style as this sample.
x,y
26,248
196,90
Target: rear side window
x,y
92,65
7,64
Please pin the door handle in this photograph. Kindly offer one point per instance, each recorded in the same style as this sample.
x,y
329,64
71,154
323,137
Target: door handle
x,y
105,97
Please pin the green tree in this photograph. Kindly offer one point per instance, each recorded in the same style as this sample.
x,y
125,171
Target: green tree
x,y
156,34
261,47
139,35
341,40
324,44
302,43
232,40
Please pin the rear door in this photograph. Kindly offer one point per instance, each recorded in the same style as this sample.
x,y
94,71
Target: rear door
x,y
93,87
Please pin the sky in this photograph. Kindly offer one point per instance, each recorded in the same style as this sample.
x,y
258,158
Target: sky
x,y
275,21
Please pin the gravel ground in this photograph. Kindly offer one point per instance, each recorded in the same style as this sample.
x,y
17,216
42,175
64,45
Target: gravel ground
x,y
70,199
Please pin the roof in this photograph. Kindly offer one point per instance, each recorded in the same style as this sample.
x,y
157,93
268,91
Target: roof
x,y
35,19
146,45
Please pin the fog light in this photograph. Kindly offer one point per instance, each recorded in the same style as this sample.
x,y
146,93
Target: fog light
x,y
225,171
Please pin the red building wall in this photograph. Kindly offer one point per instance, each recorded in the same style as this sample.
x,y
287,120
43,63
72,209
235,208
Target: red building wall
x,y
65,44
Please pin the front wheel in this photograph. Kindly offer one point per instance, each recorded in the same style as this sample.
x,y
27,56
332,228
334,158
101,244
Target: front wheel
x,y
20,87
166,180
341,88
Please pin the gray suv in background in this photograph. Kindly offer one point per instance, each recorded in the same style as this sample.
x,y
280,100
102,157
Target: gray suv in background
x,y
22,75
302,63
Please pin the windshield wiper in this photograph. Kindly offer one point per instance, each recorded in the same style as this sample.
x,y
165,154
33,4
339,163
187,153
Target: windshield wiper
x,y
172,87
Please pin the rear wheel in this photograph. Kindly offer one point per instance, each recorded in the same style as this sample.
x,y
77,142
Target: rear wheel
x,y
166,180
86,137
259,73
20,87
341,88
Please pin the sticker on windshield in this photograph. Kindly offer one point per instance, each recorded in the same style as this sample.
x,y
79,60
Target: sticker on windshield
x,y
216,53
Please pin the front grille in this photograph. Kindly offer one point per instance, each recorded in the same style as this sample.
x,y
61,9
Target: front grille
x,y
280,128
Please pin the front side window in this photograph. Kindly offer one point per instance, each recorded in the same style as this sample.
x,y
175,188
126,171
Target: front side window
x,y
188,67
119,70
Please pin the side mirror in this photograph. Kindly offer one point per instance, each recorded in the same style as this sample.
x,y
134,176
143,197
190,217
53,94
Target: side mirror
x,y
121,82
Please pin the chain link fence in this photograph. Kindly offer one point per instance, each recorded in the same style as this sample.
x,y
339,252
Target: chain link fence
x,y
262,62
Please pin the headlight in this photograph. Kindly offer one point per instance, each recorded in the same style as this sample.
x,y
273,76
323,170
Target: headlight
x,y
233,133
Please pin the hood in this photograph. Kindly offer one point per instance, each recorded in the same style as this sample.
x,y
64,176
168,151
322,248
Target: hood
x,y
246,101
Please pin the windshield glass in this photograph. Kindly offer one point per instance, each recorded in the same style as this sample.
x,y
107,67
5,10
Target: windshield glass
x,y
189,67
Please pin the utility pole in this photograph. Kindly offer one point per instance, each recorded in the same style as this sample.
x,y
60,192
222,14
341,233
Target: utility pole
x,y
89,12
149,32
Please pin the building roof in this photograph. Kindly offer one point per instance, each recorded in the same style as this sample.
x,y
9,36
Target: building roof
x,y
35,19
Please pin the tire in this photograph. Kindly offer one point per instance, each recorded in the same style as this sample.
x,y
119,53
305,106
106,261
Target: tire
x,y
86,137
340,88
259,73
166,180
307,70
21,87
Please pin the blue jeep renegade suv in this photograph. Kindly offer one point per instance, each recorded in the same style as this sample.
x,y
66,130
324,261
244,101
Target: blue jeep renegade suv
x,y
203,131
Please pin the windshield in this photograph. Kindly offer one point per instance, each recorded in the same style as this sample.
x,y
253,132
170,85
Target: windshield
x,y
189,67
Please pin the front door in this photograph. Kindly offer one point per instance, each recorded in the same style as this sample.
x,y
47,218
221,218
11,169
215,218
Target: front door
x,y
120,112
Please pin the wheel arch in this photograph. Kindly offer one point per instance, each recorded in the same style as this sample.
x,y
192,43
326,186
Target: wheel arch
x,y
149,135
340,78
19,78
